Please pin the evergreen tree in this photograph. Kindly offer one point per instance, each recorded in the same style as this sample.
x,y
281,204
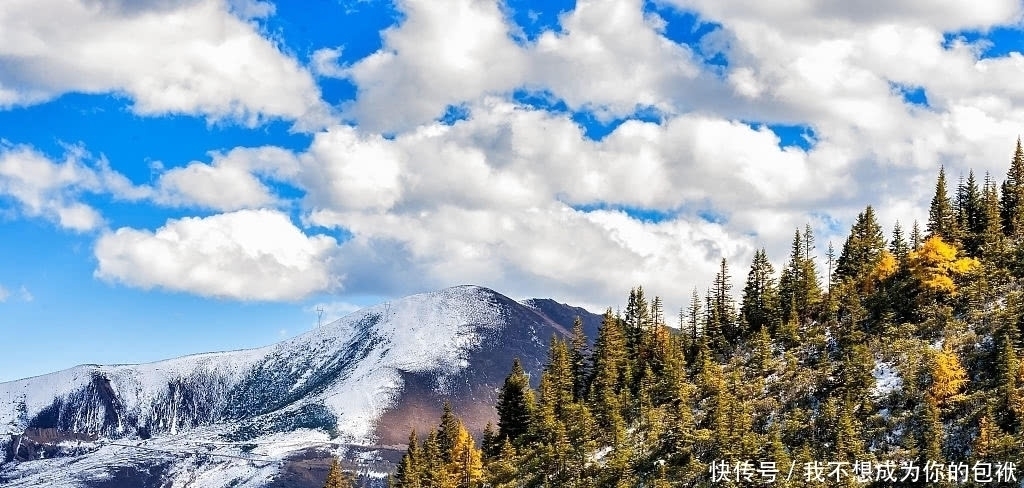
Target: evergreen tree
x,y
694,316
490,442
915,237
760,298
335,477
972,217
578,358
515,405
408,473
862,249
611,374
941,219
808,290
789,282
447,432
993,225
1012,202
898,247
724,311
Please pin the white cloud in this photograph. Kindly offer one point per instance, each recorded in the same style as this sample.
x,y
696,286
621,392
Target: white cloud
x,y
485,201
231,181
247,255
490,199
4,294
193,57
52,190
443,53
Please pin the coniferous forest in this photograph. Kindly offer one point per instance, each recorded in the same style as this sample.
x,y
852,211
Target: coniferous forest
x,y
894,360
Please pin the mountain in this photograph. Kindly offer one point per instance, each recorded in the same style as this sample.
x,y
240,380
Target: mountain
x,y
271,416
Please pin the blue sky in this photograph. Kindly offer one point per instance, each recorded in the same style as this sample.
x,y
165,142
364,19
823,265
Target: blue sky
x,y
168,190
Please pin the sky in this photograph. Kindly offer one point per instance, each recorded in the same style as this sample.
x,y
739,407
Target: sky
x,y
200,175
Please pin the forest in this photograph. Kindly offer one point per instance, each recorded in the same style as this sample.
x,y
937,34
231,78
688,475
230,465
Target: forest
x,y
897,362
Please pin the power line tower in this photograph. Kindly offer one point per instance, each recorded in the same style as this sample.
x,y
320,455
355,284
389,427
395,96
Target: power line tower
x,y
319,316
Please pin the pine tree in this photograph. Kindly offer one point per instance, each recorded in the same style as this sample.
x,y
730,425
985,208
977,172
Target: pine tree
x,y
447,431
789,282
993,225
760,297
515,405
694,316
490,442
898,247
915,237
432,472
972,217
610,373
862,249
724,310
808,290
334,476
1012,202
941,219
408,473
578,358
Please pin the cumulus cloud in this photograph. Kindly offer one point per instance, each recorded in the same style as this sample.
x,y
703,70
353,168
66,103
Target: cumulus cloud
x,y
195,57
246,255
232,181
518,198
502,198
52,190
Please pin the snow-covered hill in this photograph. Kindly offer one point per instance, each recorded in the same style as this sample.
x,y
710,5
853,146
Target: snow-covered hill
x,y
239,418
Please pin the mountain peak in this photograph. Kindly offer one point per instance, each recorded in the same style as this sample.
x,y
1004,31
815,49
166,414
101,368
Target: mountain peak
x,y
366,378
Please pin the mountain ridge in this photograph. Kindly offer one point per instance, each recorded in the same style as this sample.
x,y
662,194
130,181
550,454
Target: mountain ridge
x,y
363,379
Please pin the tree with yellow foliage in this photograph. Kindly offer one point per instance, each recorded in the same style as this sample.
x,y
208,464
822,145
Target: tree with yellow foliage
x,y
948,376
935,264
885,267
466,468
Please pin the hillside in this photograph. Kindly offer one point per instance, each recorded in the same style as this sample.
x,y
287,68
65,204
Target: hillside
x,y
355,385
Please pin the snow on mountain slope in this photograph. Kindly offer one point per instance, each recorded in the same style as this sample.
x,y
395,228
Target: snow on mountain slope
x,y
359,380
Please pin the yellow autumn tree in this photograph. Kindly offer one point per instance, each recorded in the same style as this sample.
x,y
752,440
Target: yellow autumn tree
x,y
885,267
948,376
935,264
466,468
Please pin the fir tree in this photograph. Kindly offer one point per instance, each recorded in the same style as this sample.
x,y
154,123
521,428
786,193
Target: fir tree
x,y
941,219
972,217
490,442
760,298
610,374
408,473
447,431
515,405
724,312
898,247
862,249
993,226
915,237
694,316
1012,202
578,358
335,478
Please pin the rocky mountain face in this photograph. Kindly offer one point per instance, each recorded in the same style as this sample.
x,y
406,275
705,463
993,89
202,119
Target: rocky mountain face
x,y
273,416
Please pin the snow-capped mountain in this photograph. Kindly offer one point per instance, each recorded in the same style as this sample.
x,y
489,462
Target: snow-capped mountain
x,y
251,418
